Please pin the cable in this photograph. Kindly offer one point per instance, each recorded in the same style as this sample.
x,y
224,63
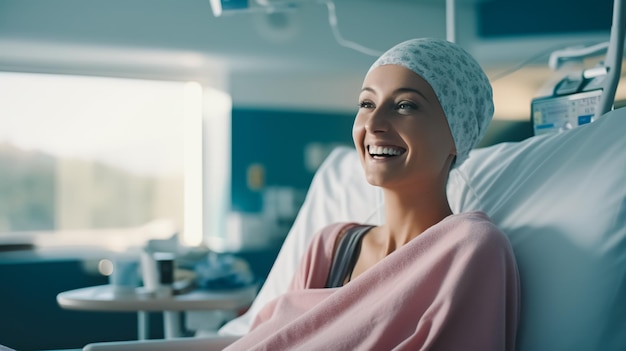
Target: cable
x,y
332,19
522,64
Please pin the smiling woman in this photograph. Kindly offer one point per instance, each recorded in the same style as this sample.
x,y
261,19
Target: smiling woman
x,y
426,278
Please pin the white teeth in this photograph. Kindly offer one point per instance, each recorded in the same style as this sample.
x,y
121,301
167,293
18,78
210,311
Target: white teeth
x,y
384,151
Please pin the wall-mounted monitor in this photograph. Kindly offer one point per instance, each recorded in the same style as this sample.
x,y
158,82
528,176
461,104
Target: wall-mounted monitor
x,y
559,113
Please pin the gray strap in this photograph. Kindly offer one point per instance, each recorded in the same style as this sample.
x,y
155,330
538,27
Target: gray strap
x,y
346,255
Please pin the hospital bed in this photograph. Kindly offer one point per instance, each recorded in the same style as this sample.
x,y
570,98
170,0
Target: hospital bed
x,y
560,199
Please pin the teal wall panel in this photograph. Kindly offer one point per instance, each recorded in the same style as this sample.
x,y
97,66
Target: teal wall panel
x,y
277,140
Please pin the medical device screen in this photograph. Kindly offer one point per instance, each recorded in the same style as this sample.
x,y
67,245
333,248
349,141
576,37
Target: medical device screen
x,y
559,113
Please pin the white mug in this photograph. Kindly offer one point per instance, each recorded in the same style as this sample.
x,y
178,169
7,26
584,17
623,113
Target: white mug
x,y
157,269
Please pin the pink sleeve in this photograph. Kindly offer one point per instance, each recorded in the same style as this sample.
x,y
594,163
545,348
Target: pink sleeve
x,y
315,263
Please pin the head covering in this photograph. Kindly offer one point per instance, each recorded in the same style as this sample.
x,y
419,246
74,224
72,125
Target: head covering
x,y
459,82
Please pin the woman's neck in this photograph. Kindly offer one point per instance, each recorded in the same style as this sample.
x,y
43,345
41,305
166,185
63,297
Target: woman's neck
x,y
407,215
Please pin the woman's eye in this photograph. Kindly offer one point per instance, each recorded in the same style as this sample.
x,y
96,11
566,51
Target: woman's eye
x,y
406,106
365,104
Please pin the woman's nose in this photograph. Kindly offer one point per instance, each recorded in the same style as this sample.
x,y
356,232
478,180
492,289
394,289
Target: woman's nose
x,y
376,122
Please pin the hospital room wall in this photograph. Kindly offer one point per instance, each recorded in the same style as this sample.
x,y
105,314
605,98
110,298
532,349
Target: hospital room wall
x,y
281,143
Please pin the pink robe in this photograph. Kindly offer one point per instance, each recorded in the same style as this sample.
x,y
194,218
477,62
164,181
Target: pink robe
x,y
454,287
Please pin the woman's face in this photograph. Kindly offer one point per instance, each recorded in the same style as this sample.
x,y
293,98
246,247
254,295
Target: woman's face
x,y
400,131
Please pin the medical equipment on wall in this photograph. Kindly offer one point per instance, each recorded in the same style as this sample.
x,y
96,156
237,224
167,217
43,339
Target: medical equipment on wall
x,y
581,97
573,103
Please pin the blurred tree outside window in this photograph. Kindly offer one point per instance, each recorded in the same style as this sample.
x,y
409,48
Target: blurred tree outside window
x,y
81,152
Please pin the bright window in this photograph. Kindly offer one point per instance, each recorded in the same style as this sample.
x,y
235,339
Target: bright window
x,y
89,153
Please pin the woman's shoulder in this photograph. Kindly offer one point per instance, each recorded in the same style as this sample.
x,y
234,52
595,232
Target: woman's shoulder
x,y
326,239
318,257
477,229
334,230
475,220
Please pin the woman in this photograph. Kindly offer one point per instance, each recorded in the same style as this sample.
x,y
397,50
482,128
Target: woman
x,y
426,278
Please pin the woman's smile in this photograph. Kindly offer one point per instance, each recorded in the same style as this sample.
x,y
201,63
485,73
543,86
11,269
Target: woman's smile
x,y
381,152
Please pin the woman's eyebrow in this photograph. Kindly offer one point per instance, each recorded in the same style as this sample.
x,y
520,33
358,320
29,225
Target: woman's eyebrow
x,y
411,90
368,89
399,90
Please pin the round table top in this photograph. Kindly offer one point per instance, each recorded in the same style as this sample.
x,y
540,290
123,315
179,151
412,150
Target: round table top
x,y
106,298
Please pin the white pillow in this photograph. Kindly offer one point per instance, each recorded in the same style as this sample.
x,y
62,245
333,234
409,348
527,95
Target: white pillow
x,y
561,199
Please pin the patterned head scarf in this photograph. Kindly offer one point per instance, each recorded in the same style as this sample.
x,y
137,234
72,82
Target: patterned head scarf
x,y
459,82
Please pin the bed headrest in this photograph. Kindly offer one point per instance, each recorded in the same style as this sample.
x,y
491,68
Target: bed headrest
x,y
561,200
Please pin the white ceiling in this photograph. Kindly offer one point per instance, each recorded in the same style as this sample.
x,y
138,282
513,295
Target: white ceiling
x,y
284,60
